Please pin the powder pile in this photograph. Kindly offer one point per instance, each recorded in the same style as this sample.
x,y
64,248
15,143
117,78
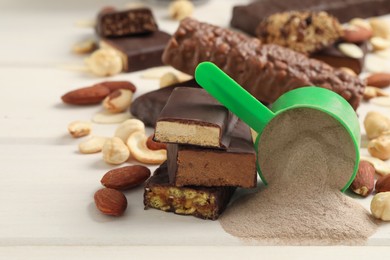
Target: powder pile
x,y
307,157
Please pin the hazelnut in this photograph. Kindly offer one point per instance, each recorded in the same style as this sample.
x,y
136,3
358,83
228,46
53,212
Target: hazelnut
x,y
380,206
115,151
376,124
180,9
168,79
380,147
104,62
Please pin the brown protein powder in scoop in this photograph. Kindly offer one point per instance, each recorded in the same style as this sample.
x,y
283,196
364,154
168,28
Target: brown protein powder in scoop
x,y
306,157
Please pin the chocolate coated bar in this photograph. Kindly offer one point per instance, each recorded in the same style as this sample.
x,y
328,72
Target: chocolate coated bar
x,y
248,17
201,202
139,52
266,71
335,58
148,107
192,116
235,166
112,23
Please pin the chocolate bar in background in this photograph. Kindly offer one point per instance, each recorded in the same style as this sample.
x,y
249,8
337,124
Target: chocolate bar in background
x,y
235,166
138,52
337,59
266,71
248,17
148,107
192,116
201,202
112,23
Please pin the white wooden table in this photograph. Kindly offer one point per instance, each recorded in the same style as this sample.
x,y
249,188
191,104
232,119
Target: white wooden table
x,y
46,196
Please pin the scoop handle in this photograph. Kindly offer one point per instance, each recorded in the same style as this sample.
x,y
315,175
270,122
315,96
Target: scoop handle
x,y
229,93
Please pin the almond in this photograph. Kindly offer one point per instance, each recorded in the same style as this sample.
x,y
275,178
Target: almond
x,y
363,184
115,85
110,202
379,80
354,34
383,184
125,177
152,145
86,96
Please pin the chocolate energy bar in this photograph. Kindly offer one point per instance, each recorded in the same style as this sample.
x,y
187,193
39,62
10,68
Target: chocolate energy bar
x,y
266,71
192,116
235,166
112,23
138,52
201,202
148,107
337,59
248,17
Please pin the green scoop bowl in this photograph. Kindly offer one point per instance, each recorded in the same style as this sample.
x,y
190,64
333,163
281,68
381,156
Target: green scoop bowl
x,y
257,116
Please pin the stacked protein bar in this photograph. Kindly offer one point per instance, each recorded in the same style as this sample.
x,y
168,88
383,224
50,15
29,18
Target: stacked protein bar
x,y
210,153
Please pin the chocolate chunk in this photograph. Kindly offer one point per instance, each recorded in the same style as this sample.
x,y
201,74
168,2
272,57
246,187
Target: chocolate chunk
x,y
139,52
337,59
192,116
248,17
235,166
266,71
147,107
111,23
201,202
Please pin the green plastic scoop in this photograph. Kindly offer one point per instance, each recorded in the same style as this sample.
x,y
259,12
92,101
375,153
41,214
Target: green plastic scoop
x,y
257,116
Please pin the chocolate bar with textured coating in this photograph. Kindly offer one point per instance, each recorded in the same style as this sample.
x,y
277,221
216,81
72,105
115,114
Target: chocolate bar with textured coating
x,y
112,23
148,107
248,17
235,166
337,59
138,52
201,202
192,116
266,71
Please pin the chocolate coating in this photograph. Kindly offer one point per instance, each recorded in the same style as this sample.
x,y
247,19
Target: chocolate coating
x,y
147,107
235,166
201,202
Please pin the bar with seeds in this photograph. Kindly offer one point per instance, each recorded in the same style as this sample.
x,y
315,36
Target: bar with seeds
x,y
235,166
138,52
201,202
192,116
112,23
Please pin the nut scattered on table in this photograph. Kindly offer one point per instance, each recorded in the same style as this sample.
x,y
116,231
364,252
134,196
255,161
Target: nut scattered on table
x,y
380,147
128,127
380,206
351,50
110,118
381,167
118,101
361,22
152,145
373,92
115,85
139,151
363,184
379,43
379,80
356,33
168,79
348,70
92,145
125,178
85,47
380,27
104,62
115,151
86,96
383,184
376,124
181,9
79,128
110,202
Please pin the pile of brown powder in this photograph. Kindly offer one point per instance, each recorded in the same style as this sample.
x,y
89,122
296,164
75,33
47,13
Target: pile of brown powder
x,y
306,157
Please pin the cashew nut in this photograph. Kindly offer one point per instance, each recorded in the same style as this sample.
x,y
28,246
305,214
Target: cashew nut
x,y
115,151
380,206
128,127
376,124
139,151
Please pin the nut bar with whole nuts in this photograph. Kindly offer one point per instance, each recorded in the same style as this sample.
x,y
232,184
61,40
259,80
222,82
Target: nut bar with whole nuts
x,y
201,202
